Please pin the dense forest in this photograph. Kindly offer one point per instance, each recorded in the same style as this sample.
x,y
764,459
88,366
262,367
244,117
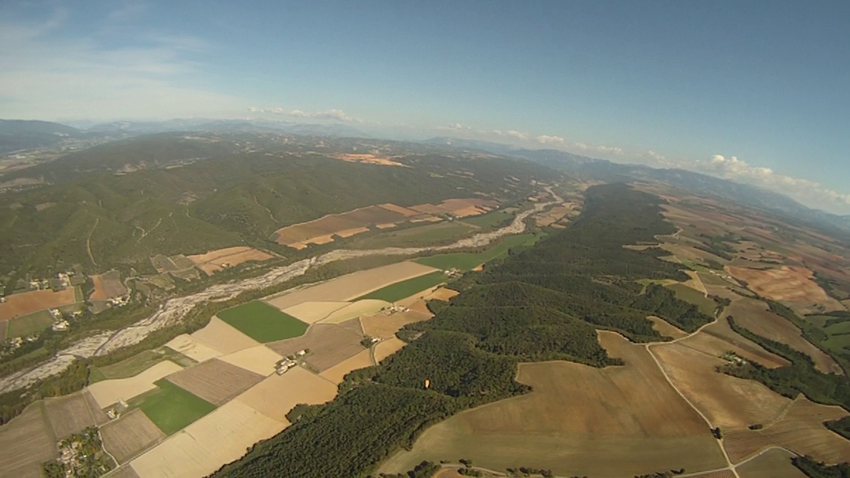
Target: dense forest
x,y
816,469
540,303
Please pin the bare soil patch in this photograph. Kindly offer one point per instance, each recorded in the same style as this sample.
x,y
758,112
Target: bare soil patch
x,y
328,345
786,283
109,392
385,326
388,347
214,261
215,381
108,286
26,303
259,359
192,348
25,443
278,394
223,337
73,413
336,373
129,435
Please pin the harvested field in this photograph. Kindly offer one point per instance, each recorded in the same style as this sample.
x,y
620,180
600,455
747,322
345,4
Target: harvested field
x,y
310,312
666,328
329,344
336,373
458,207
420,236
262,322
442,294
109,392
404,289
25,443
695,282
692,296
801,431
351,222
29,324
214,261
139,363
129,435
786,283
26,303
171,408
73,413
215,381
352,286
356,309
385,326
369,159
688,254
223,338
259,359
717,338
388,347
125,471
107,286
728,402
574,423
772,464
756,317
194,349
278,394
717,474
353,324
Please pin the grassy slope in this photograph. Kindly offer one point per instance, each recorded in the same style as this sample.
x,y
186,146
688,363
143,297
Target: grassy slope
x,y
469,260
171,408
263,322
683,292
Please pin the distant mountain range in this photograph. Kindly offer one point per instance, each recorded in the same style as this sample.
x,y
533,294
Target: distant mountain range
x,y
16,135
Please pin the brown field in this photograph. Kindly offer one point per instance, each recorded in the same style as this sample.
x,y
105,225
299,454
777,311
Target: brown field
x,y
458,207
695,282
278,394
801,431
124,472
756,317
369,159
329,344
310,312
442,294
215,381
385,326
109,392
666,328
351,222
718,338
336,373
388,347
259,359
728,402
574,423
352,286
107,286
25,443
216,260
73,413
25,303
192,348
353,324
222,337
130,435
773,463
716,474
786,283
356,309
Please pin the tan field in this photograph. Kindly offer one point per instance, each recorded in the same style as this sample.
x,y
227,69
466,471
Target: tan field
x,y
695,282
346,224
356,309
73,413
25,303
352,232
717,474
385,326
718,338
336,373
25,443
353,324
442,294
388,347
772,464
801,431
329,344
223,338
686,253
398,209
215,381
458,207
180,456
125,471
728,402
107,286
192,348
259,359
666,328
352,286
786,283
130,435
278,394
574,423
369,159
109,392
310,312
216,260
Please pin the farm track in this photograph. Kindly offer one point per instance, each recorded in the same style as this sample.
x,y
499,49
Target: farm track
x,y
88,240
175,309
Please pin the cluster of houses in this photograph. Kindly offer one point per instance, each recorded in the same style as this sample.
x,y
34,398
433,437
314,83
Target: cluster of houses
x,y
287,363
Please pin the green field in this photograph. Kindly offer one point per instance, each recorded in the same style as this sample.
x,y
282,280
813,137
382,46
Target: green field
x,y
29,324
263,322
692,296
489,221
400,290
469,260
137,364
420,236
171,408
838,333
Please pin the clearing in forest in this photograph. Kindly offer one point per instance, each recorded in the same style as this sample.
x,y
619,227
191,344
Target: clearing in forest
x,y
263,322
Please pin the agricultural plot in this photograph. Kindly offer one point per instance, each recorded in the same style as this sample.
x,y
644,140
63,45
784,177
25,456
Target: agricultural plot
x,y
194,349
801,431
260,359
786,284
310,312
328,345
263,322
139,363
718,338
215,381
17,305
172,408
275,396
385,326
442,293
130,435
388,347
356,309
574,423
25,443
109,392
29,324
347,223
458,207
223,338
107,286
420,236
352,286
214,261
336,373
692,296
466,261
407,288
353,324
73,413
125,471
666,328
3,329
772,464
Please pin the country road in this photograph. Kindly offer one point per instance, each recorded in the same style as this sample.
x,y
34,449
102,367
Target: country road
x,y
175,309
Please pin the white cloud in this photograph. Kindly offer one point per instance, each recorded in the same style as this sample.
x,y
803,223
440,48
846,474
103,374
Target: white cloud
x,y
333,114
517,135
454,127
557,140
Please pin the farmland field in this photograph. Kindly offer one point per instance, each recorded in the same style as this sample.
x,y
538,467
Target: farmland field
x,y
329,344
278,394
772,464
717,338
107,286
215,381
693,296
263,322
129,435
29,324
259,359
214,261
418,236
467,261
356,309
3,329
109,392
336,373
310,312
489,220
407,288
194,349
223,338
385,326
26,303
171,408
72,413
139,363
388,347
25,443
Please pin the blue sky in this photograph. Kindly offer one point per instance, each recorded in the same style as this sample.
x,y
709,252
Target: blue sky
x,y
752,91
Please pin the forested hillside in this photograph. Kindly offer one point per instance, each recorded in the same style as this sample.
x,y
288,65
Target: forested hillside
x,y
541,303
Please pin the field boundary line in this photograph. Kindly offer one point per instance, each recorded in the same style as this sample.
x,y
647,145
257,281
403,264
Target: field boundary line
x,y
88,240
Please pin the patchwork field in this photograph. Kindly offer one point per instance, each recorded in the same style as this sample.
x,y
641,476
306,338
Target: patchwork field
x,y
467,261
215,381
129,435
718,338
194,349
171,408
336,373
328,345
458,207
278,394
786,283
404,289
214,261
29,324
137,364
385,326
259,359
342,224
574,423
357,309
262,322
26,303
107,286
25,443
109,392
310,312
73,413
771,464
223,338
